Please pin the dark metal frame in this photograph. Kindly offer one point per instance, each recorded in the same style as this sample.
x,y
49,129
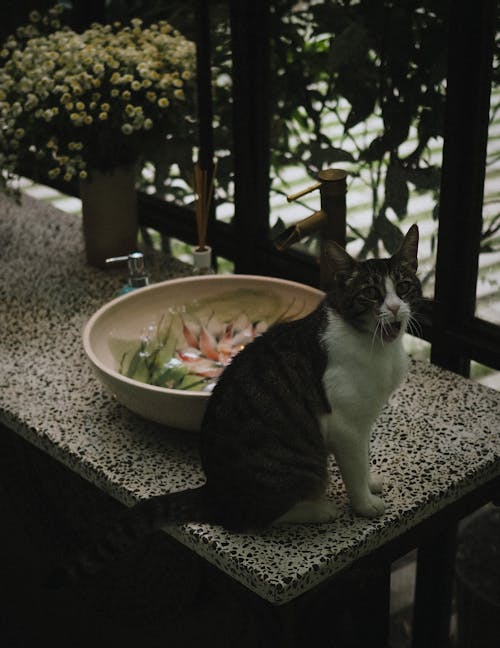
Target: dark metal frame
x,y
449,322
457,336
246,240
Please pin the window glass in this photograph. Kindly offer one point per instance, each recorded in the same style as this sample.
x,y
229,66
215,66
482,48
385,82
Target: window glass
x,y
417,348
170,175
488,283
222,110
485,375
168,169
360,86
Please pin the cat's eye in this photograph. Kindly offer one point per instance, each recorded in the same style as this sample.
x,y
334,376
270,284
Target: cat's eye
x,y
403,287
371,292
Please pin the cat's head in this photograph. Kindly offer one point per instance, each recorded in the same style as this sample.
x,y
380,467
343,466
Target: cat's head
x,y
377,296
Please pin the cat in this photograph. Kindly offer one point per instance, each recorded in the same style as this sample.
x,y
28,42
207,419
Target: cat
x,y
302,390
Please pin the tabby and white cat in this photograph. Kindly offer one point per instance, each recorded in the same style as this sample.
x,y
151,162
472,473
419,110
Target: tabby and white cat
x,y
299,392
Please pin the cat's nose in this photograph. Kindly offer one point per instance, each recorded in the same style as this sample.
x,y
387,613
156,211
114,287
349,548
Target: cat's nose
x,y
394,308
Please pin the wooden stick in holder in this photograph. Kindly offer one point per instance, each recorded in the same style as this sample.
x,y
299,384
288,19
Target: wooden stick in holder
x,y
204,192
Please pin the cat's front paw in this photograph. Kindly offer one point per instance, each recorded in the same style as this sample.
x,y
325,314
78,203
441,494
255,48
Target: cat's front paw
x,y
317,511
370,507
375,483
325,511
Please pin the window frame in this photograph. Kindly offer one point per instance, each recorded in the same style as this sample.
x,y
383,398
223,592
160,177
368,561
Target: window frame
x,y
448,321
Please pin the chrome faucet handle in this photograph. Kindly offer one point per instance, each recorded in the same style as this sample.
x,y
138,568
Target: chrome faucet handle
x,y
137,276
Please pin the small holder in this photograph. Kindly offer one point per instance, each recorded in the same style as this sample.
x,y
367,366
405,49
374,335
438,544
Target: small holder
x,y
137,277
202,260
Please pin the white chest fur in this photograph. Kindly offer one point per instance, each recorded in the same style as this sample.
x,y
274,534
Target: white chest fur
x,y
360,376
361,373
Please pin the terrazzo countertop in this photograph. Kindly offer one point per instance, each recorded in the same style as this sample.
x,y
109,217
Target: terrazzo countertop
x,y
437,439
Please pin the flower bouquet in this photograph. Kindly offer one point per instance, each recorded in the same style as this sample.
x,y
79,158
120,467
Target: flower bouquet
x,y
74,102
87,106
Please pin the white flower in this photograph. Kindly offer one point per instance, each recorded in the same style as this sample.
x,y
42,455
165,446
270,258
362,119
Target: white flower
x,y
25,84
17,109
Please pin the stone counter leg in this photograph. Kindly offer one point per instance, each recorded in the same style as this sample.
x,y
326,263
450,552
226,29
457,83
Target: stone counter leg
x,y
434,590
348,611
155,588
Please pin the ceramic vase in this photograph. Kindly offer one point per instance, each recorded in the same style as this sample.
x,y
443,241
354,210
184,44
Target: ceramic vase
x,y
109,209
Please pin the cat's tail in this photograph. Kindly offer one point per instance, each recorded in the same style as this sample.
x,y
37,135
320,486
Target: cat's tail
x,y
139,521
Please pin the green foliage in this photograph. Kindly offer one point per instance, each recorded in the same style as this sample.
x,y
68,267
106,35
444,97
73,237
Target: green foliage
x,y
387,60
346,61
381,59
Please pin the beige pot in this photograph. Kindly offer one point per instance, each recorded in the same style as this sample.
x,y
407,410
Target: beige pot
x,y
109,208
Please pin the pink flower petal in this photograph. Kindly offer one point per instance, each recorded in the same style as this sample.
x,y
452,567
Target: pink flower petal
x,y
189,336
208,345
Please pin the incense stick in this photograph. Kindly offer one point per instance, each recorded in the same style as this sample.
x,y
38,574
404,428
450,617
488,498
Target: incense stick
x,y
204,193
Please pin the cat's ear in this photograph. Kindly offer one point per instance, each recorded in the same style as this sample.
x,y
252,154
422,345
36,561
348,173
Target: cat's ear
x,y
338,259
407,253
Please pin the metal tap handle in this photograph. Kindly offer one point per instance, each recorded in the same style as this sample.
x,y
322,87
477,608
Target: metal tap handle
x,y
303,192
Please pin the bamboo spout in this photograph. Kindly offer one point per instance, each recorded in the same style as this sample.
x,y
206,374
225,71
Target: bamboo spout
x,y
297,232
330,220
333,202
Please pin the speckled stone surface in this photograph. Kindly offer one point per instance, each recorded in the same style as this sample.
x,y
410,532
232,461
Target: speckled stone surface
x,y
438,438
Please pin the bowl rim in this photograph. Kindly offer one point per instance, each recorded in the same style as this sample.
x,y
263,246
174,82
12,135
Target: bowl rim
x,y
177,393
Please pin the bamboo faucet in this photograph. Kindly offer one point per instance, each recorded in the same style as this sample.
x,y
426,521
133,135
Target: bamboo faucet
x,y
330,220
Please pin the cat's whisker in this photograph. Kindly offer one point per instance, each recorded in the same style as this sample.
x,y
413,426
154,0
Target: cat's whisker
x,y
377,325
410,329
414,326
417,325
382,329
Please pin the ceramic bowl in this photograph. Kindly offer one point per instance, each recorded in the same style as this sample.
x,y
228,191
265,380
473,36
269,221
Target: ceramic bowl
x,y
121,323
